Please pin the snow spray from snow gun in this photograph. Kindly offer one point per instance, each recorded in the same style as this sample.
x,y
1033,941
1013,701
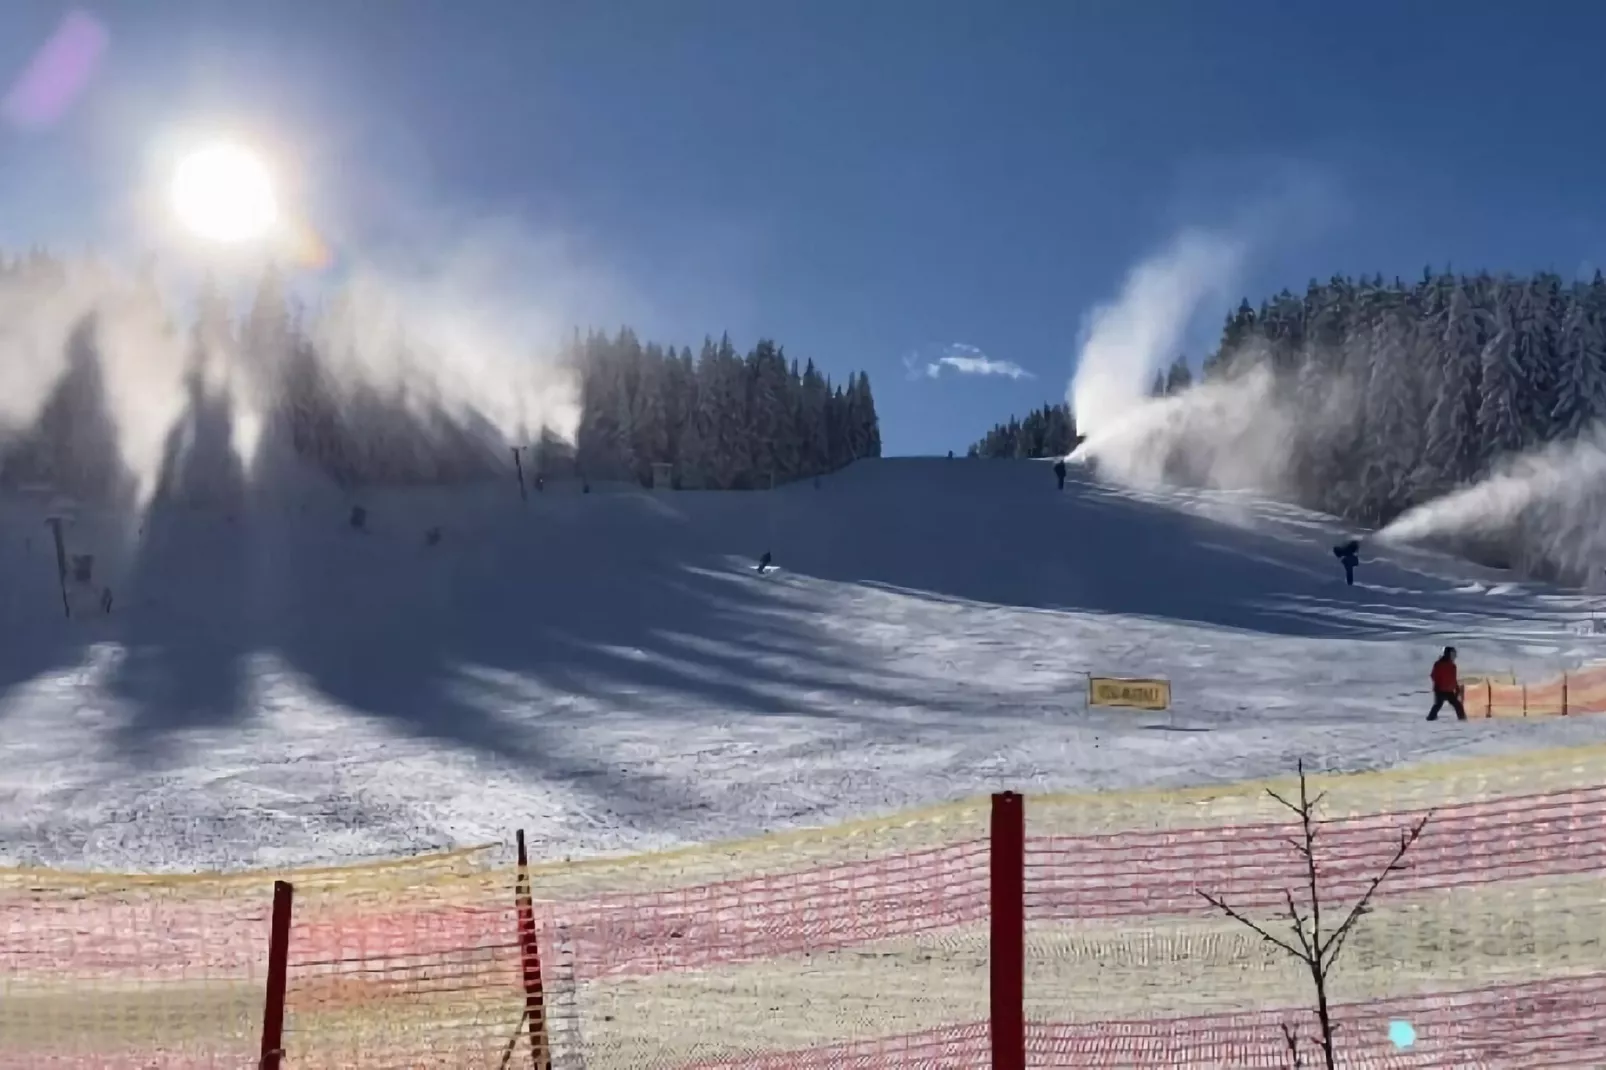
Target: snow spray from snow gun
x,y
1126,341
1552,501
1218,435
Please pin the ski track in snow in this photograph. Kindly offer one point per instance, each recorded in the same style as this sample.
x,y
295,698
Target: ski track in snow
x,y
608,672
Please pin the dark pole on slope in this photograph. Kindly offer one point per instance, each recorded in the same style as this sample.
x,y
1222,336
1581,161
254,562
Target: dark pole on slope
x,y
61,563
518,466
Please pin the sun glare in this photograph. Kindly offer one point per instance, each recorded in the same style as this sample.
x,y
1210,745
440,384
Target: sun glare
x,y
223,193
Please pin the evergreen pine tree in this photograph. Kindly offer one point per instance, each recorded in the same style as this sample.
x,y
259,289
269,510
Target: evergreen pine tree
x,y
1392,415
1453,450
1178,377
1581,385
1502,427
869,421
813,428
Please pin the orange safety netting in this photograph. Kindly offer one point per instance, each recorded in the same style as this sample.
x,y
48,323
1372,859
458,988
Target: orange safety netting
x,y
1571,693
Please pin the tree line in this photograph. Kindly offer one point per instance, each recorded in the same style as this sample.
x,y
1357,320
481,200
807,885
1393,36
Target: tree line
x,y
720,419
1046,432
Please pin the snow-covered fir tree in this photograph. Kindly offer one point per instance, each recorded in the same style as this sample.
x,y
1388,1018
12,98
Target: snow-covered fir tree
x,y
1392,413
1506,388
1454,347
1581,371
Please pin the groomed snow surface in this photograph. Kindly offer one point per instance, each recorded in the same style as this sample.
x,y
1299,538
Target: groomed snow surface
x,y
608,672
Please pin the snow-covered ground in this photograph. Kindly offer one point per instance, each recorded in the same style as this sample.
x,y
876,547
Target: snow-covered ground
x,y
607,672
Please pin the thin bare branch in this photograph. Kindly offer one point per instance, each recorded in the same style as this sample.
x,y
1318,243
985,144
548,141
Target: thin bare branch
x,y
1291,1038
1222,906
1299,926
1329,949
1307,824
1291,805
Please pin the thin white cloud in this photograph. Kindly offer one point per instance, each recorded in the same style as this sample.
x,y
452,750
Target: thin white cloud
x,y
963,360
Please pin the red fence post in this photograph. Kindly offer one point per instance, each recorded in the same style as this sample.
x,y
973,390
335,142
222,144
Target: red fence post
x,y
278,971
1008,950
530,953
1564,694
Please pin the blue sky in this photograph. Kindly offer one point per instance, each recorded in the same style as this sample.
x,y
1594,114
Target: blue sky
x,y
864,180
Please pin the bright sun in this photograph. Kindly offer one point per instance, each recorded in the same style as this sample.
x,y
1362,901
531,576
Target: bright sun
x,y
223,192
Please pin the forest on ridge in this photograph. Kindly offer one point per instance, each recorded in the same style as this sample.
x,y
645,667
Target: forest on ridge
x,y
1391,394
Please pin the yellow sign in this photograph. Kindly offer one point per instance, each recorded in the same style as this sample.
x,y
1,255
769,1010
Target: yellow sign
x,y
1139,694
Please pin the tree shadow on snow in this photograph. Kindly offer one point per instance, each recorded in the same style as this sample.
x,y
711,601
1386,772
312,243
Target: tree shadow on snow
x,y
187,626
519,637
527,625
998,532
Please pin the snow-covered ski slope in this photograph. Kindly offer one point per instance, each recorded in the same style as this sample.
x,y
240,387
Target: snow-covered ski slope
x,y
608,672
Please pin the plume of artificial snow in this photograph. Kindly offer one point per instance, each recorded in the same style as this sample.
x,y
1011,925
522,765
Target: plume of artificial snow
x,y
1128,340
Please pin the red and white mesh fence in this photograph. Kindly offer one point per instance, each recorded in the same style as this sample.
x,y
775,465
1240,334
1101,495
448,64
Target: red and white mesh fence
x,y
1038,932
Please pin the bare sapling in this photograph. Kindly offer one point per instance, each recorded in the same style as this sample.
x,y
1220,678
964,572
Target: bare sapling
x,y
1313,944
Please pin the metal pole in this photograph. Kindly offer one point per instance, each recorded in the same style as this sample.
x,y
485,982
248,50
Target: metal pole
x,y
1008,939
530,953
278,971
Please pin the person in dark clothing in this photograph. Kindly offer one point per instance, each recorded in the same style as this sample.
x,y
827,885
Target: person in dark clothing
x,y
1349,555
1446,686
1059,472
764,562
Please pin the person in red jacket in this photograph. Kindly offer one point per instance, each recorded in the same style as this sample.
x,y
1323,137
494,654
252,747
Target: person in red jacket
x,y
1446,686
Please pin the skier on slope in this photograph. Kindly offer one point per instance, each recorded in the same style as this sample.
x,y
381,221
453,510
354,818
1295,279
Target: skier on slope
x,y
1349,555
1446,686
763,562
1059,472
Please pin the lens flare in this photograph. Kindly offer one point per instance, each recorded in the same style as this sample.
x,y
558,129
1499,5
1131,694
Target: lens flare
x,y
57,74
